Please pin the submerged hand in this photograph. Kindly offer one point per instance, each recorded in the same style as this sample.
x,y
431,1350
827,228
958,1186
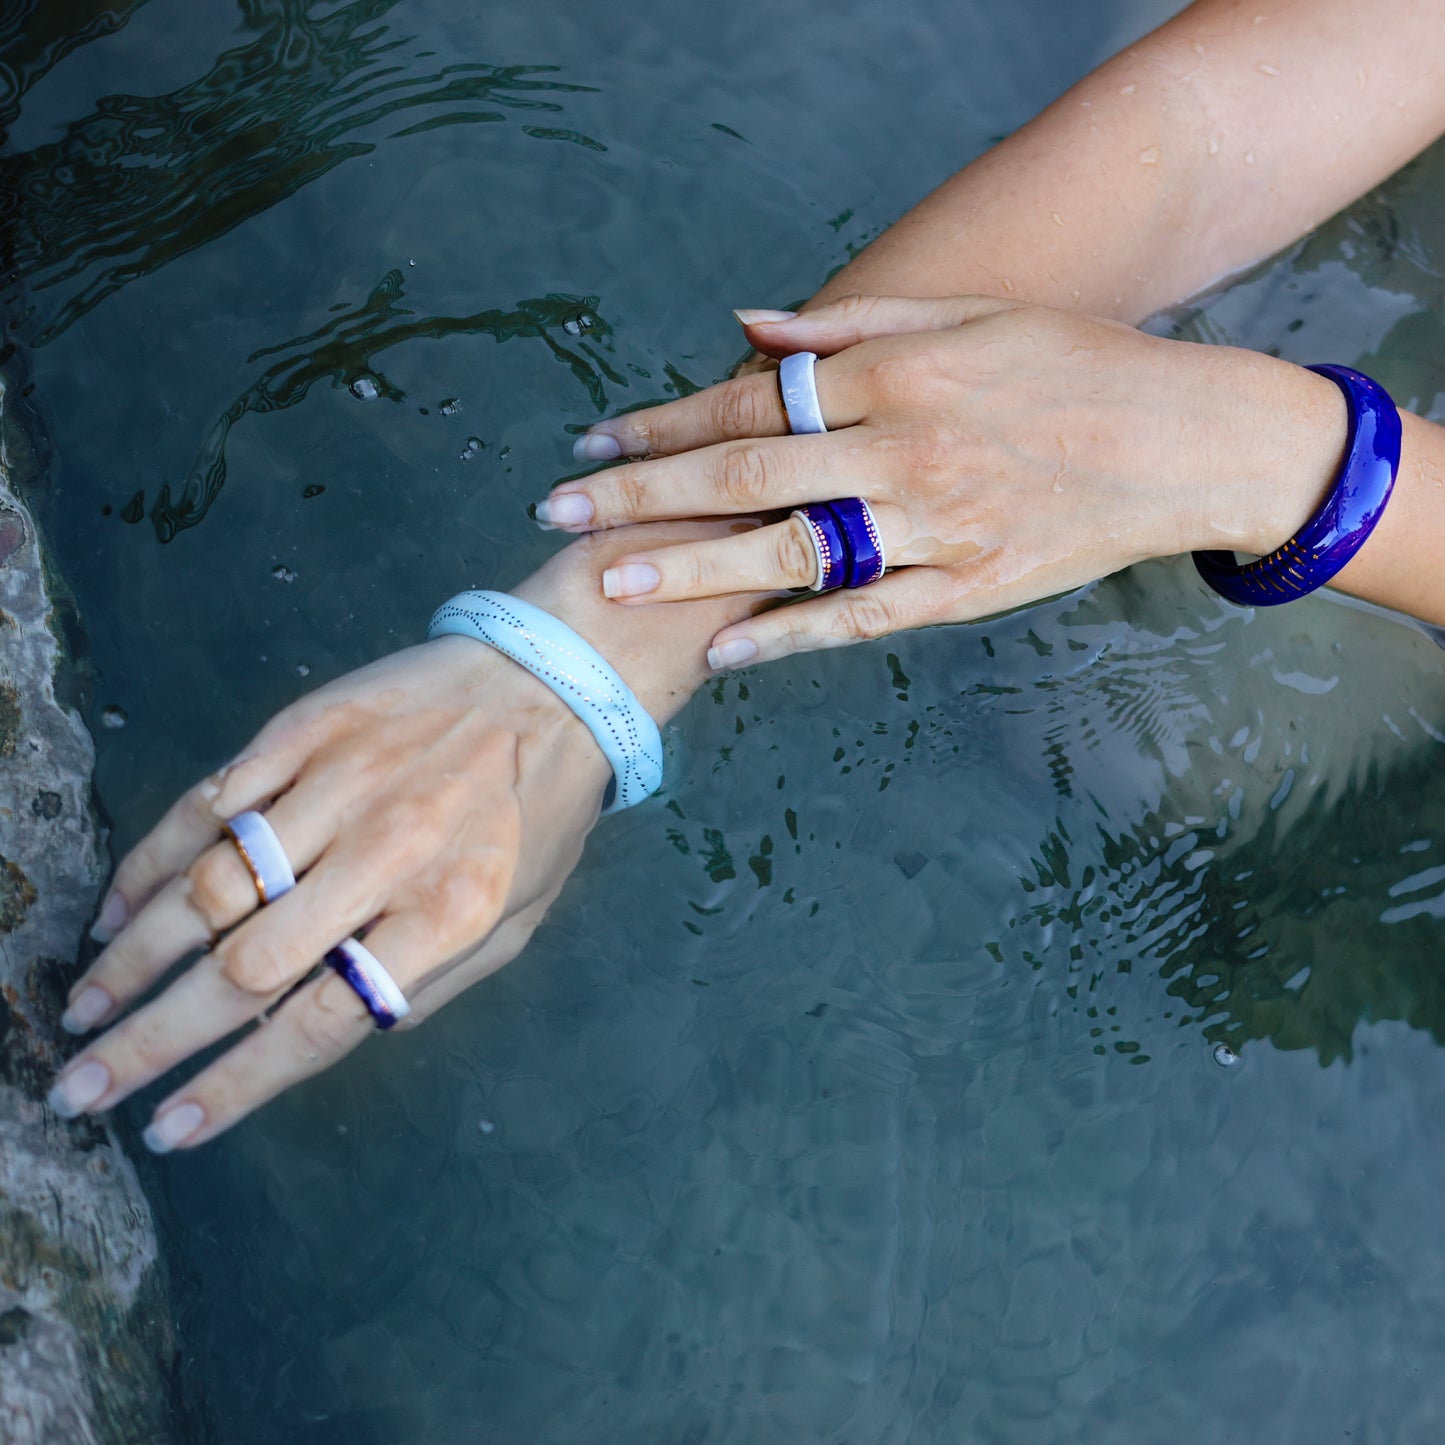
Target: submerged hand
x,y
1008,453
441,795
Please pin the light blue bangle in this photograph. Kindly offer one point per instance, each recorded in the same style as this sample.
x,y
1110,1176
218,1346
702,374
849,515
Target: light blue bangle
x,y
577,673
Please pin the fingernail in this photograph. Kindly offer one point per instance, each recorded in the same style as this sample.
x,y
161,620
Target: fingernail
x,y
632,579
111,920
570,509
596,446
173,1127
91,1005
79,1089
732,653
762,318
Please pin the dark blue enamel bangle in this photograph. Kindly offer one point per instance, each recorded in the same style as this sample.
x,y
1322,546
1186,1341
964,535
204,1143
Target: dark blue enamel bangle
x,y
862,547
828,545
1342,525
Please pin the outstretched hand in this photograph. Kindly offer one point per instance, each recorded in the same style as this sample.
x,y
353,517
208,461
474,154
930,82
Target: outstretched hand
x,y
1008,453
441,796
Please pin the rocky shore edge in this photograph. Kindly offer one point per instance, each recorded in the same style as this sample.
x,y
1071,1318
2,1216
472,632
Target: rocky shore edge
x,y
86,1345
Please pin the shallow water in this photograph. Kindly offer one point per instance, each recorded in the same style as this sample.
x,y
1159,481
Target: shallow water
x,y
864,1088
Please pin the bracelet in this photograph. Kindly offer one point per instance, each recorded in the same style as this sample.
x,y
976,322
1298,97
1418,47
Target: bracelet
x,y
1344,521
577,673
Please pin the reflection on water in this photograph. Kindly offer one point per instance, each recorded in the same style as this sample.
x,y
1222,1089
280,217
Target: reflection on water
x,y
344,351
866,1085
143,180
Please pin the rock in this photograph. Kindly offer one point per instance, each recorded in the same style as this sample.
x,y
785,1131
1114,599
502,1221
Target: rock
x,y
85,1338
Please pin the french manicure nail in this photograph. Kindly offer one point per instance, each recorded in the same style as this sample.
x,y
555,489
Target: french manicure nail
x,y
570,509
596,446
91,1005
173,1127
762,318
632,579
79,1089
112,918
732,653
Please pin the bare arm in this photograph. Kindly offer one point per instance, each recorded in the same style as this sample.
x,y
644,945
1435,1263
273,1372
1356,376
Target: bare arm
x,y
1219,138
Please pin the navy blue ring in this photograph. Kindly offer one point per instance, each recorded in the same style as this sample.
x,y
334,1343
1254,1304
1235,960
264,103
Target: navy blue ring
x,y
1342,525
828,543
381,1014
862,547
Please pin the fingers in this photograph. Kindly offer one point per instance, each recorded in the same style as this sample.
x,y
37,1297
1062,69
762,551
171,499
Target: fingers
x,y
732,478
913,597
840,324
191,911
749,405
194,820
199,1008
318,1025
759,559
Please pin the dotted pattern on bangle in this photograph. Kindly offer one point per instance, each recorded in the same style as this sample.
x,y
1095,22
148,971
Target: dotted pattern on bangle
x,y
576,673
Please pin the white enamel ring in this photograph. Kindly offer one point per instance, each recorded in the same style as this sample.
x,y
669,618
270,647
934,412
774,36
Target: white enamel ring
x,y
263,855
799,387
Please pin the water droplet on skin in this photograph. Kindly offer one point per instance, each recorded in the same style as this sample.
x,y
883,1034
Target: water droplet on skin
x,y
114,717
1149,156
364,388
283,574
1224,1056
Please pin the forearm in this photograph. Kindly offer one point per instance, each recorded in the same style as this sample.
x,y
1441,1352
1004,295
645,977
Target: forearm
x,y
1217,139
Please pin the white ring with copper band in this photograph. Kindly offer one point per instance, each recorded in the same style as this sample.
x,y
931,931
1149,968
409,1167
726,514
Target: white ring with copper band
x,y
261,851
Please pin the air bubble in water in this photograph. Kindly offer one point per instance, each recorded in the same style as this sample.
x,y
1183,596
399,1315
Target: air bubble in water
x,y
303,669
576,325
450,407
1224,1056
474,445
283,574
364,388
114,717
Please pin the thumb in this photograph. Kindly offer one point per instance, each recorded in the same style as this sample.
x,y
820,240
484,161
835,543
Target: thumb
x,y
843,323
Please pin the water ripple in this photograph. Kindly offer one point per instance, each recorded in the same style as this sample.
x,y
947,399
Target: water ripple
x,y
143,180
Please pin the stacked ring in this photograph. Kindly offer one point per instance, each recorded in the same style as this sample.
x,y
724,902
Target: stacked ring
x,y
843,532
828,546
845,541
370,982
262,853
271,871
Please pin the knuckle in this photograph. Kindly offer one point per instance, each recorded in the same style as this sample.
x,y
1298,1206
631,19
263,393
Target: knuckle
x,y
253,965
220,890
330,1021
630,497
863,618
743,479
735,410
793,554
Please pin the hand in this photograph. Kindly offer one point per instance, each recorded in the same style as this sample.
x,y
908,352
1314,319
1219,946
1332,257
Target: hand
x,y
1008,452
443,793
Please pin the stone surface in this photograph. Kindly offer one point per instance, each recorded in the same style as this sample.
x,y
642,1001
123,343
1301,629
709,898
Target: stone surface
x,y
85,1340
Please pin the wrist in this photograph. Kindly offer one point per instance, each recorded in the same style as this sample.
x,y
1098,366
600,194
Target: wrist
x,y
1275,442
660,650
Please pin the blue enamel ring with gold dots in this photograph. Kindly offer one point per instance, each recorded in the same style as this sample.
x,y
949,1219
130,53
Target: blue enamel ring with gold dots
x,y
862,546
828,546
